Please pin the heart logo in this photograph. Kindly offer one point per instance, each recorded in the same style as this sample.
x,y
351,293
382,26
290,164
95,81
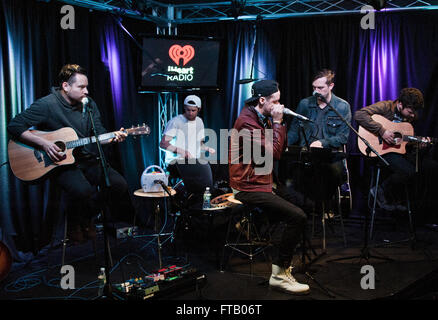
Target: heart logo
x,y
176,52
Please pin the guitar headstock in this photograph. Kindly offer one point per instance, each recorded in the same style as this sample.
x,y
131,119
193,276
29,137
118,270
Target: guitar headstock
x,y
139,130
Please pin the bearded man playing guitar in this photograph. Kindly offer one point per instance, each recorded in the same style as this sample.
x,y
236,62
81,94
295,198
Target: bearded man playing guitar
x,y
388,123
65,107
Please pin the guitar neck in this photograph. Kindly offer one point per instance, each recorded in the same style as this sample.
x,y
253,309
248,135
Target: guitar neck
x,y
88,140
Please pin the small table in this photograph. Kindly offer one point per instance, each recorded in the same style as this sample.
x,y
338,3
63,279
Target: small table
x,y
156,196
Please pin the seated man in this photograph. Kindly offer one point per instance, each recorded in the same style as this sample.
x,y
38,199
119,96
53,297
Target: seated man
x,y
183,137
63,108
327,129
251,175
402,166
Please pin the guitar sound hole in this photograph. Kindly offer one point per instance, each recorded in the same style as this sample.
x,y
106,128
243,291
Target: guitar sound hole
x,y
61,145
398,137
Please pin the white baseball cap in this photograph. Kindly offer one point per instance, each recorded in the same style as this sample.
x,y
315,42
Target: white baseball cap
x,y
192,100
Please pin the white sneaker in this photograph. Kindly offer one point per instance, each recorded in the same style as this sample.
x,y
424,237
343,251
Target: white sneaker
x,y
283,280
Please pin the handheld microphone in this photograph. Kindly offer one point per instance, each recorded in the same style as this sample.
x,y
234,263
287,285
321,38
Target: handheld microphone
x,y
299,116
85,104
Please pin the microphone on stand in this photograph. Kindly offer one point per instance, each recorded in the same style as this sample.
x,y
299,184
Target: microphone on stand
x,y
296,115
318,95
160,182
164,186
84,104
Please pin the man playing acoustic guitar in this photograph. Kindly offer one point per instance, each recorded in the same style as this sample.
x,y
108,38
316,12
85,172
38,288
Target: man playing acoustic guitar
x,y
402,161
64,107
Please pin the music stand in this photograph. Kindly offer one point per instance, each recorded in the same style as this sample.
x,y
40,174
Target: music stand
x,y
196,178
314,157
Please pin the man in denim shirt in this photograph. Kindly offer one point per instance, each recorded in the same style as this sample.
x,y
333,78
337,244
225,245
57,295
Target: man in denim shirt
x,y
327,129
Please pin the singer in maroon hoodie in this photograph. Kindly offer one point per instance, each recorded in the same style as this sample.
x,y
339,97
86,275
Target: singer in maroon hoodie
x,y
260,126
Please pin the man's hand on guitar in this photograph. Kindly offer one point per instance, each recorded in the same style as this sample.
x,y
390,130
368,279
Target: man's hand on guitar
x,y
54,152
425,142
389,137
120,135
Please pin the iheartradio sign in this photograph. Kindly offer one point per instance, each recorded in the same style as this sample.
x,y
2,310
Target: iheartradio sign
x,y
176,53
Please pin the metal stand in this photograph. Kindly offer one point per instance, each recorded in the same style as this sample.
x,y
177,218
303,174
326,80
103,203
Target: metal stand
x,y
365,252
157,225
253,241
315,163
305,267
107,290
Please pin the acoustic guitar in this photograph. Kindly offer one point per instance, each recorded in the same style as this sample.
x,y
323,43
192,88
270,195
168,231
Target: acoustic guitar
x,y
29,163
403,133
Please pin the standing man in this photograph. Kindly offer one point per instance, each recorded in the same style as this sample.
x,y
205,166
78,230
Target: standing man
x,y
255,128
326,130
183,137
404,109
63,108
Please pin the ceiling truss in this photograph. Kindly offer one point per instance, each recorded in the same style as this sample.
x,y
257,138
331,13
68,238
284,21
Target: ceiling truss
x,y
165,14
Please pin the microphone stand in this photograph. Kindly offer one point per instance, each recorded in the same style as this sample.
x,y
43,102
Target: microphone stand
x,y
306,267
107,290
365,251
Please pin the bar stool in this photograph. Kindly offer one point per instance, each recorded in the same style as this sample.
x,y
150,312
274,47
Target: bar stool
x,y
155,197
252,244
325,205
64,241
374,184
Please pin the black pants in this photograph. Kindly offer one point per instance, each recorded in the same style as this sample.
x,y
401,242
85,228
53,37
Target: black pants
x,y
79,183
403,174
279,209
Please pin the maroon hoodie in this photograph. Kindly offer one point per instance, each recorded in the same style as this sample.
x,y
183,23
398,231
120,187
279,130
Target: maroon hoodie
x,y
252,131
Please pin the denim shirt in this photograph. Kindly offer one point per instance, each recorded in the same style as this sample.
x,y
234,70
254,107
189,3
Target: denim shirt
x,y
335,131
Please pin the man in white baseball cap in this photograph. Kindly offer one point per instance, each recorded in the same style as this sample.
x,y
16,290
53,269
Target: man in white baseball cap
x,y
183,137
192,100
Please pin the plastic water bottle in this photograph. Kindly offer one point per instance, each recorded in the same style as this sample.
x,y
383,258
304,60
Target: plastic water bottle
x,y
102,281
207,198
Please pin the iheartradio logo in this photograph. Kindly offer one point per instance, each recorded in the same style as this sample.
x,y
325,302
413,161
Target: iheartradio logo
x,y
176,52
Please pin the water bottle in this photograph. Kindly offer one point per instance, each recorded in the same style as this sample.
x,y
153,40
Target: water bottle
x,y
207,197
101,281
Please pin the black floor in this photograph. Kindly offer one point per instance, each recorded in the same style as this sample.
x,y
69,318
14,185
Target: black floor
x,y
412,272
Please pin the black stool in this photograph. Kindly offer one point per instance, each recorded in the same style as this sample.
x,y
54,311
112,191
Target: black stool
x,y
64,241
252,244
374,184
